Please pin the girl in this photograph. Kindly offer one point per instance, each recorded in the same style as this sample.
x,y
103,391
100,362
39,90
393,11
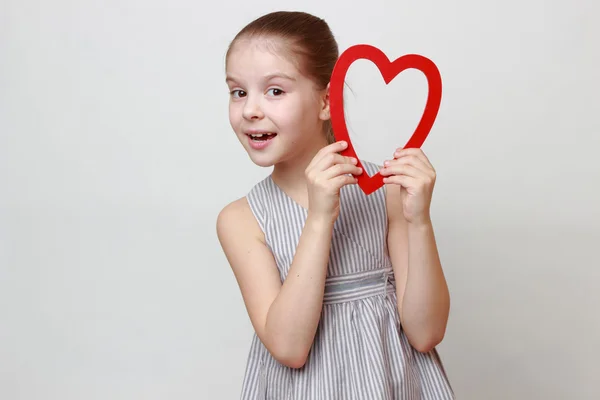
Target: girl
x,y
345,291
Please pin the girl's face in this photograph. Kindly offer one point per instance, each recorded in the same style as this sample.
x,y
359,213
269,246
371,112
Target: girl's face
x,y
276,112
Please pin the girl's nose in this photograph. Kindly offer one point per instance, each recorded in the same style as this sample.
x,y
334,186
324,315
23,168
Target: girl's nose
x,y
252,108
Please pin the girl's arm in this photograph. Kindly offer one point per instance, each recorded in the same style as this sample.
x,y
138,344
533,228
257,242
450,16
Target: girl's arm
x,y
421,289
284,316
422,292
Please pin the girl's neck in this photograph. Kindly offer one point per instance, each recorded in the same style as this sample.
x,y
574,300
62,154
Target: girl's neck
x,y
290,175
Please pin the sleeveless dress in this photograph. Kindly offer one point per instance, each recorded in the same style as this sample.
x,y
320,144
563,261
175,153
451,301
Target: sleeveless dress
x,y
360,351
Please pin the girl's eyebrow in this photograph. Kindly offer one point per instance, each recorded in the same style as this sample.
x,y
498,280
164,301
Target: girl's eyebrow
x,y
279,75
267,77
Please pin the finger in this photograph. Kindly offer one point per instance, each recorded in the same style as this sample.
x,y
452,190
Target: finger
x,y
339,181
401,180
329,149
341,169
417,152
331,159
403,169
414,161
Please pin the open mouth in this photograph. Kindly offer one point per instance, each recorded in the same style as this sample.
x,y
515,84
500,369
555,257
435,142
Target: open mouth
x,y
262,137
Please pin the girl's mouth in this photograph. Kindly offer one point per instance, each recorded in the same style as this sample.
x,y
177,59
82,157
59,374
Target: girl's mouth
x,y
259,141
261,137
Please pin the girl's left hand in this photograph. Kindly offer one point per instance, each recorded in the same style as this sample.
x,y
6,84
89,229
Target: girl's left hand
x,y
412,171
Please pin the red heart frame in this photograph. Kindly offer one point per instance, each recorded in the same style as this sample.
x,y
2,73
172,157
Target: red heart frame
x,y
389,70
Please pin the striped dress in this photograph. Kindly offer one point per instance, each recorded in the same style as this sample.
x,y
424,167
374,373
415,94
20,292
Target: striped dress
x,y
360,351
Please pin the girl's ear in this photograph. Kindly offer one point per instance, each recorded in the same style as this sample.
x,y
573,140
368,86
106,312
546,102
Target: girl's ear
x,y
324,114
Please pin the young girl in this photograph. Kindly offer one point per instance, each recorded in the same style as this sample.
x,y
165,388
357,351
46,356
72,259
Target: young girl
x,y
345,291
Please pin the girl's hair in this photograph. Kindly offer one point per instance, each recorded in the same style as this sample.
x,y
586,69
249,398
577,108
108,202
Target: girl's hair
x,y
310,40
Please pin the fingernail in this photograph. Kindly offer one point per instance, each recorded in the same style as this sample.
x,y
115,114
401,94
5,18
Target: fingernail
x,y
386,163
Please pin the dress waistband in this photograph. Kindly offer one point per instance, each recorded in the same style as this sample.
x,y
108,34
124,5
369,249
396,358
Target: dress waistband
x,y
345,288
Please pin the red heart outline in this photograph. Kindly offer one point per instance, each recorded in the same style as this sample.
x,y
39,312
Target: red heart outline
x,y
389,70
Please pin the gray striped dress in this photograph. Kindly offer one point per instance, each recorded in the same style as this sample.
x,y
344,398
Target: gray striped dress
x,y
360,351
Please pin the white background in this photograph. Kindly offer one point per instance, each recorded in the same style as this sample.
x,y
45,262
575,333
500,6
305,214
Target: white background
x,y
116,155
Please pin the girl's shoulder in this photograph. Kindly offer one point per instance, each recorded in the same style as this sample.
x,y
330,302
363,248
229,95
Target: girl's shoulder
x,y
247,212
237,218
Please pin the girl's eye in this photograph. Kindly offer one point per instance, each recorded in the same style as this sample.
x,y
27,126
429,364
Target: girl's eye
x,y
276,92
238,93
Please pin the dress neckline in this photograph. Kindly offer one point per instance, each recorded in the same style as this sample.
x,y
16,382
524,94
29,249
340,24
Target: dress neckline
x,y
287,196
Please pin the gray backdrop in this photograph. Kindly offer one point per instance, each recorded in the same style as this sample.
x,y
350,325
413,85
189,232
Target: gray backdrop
x,y
116,156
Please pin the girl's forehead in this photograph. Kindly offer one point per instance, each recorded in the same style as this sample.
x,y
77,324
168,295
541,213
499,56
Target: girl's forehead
x,y
255,55
260,43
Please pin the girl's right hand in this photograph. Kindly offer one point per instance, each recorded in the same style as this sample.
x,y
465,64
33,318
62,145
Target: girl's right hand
x,y
326,174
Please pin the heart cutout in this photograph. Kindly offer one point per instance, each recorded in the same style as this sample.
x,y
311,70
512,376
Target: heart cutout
x,y
389,70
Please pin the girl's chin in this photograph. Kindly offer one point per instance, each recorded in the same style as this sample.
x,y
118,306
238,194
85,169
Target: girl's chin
x,y
262,161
